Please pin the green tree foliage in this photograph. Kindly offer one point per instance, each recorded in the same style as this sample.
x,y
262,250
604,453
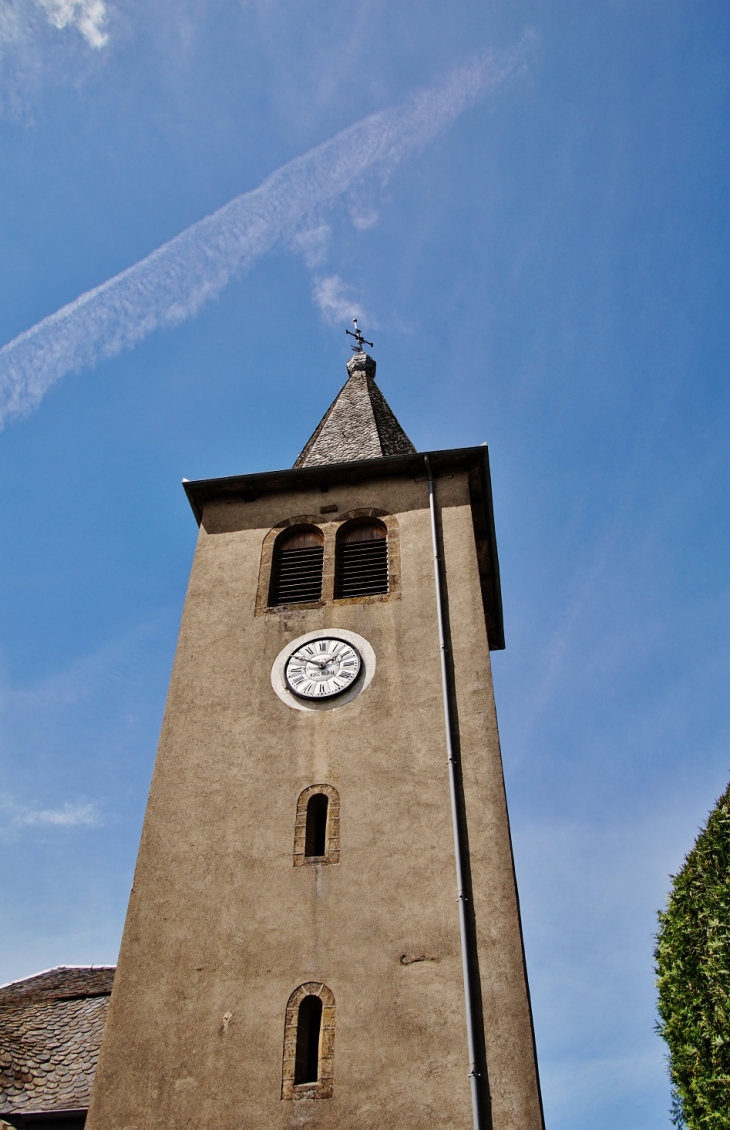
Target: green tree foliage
x,y
693,967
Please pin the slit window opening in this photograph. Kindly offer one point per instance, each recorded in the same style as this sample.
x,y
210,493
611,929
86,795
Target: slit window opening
x,y
315,841
317,826
309,1024
296,575
362,560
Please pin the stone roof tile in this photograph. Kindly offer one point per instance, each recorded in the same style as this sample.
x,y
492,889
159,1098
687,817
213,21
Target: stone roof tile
x,y
359,424
50,1032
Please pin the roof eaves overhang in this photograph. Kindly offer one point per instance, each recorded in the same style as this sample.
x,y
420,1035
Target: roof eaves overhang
x,y
473,460
28,1117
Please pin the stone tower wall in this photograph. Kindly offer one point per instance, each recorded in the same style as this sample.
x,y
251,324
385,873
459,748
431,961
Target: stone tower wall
x,y
223,928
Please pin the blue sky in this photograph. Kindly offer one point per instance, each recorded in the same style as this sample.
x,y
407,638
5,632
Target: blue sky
x,y
541,259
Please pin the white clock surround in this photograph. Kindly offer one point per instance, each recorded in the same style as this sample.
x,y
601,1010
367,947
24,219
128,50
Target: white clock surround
x,y
361,683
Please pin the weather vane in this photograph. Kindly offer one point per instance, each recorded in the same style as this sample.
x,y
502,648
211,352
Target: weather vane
x,y
358,338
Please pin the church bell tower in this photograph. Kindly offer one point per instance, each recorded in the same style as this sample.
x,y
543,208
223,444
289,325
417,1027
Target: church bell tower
x,y
324,929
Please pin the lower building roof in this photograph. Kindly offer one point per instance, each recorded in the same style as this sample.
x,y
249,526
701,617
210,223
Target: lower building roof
x,y
50,1032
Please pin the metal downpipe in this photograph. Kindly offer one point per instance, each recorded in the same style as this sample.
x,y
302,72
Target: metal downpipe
x,y
461,896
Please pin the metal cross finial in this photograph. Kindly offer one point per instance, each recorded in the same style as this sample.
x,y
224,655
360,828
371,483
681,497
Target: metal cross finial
x,y
358,338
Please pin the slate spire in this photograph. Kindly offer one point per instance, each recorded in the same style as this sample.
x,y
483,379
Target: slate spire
x,y
359,424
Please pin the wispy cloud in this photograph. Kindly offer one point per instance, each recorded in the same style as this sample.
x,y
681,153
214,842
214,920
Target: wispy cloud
x,y
18,19
64,738
335,300
45,41
89,16
11,25
68,816
178,278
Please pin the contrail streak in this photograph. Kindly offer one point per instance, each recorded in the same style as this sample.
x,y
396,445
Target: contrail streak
x,y
174,281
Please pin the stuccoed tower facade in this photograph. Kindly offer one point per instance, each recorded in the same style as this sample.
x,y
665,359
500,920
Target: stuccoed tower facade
x,y
297,950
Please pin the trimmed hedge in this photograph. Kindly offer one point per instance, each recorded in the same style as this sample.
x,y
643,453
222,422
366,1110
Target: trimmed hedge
x,y
693,968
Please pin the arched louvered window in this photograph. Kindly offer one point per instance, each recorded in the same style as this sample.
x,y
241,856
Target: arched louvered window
x,y
296,573
362,559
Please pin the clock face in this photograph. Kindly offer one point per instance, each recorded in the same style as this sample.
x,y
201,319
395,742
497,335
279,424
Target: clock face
x,y
322,668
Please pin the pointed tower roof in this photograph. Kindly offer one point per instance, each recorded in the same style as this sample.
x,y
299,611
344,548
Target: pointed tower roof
x,y
359,424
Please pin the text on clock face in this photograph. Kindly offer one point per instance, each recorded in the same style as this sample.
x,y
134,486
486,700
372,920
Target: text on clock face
x,y
322,668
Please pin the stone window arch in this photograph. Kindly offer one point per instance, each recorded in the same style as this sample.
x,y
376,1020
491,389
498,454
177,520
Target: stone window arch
x,y
309,1043
297,566
265,591
317,825
369,538
328,528
361,558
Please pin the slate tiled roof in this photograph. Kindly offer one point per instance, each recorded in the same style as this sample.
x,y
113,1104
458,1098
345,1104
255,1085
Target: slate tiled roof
x,y
50,1032
359,424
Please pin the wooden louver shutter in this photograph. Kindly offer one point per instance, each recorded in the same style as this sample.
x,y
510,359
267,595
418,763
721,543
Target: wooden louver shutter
x,y
362,560
296,575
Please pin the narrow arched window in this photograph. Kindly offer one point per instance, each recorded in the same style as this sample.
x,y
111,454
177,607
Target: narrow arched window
x,y
315,836
361,559
317,826
309,1043
296,573
309,1025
